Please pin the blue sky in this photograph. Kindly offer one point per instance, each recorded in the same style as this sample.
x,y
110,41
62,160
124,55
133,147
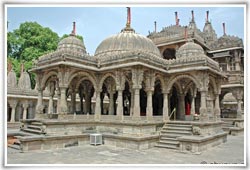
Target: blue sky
x,y
97,23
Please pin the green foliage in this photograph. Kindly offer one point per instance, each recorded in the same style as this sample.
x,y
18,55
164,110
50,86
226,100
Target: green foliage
x,y
29,42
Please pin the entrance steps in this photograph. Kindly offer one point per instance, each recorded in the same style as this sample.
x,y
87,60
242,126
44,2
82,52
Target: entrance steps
x,y
227,124
34,127
170,132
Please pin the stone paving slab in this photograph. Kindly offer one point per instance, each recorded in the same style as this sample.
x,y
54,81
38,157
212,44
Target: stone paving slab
x,y
231,152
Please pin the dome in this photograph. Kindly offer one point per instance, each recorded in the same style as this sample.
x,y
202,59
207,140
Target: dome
x,y
11,79
126,41
189,49
24,81
72,43
229,98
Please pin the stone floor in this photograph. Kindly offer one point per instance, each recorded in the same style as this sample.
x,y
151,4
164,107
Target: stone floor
x,y
231,152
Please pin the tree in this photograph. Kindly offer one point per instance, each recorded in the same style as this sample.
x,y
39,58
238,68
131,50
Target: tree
x,y
29,42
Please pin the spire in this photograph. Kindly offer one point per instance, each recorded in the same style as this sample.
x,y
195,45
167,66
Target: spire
x,y
155,26
128,24
185,33
192,12
176,19
224,28
128,17
74,29
207,16
9,66
22,68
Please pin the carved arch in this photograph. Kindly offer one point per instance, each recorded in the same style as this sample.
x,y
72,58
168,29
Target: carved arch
x,y
47,77
214,85
159,77
174,79
105,77
88,76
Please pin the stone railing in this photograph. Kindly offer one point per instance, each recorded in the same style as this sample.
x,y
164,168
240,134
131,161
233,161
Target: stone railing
x,y
137,55
62,55
18,91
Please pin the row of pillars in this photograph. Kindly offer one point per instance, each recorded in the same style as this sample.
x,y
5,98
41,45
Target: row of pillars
x,y
13,106
135,106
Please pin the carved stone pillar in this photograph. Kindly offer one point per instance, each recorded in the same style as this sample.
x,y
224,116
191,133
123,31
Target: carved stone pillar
x,y
39,107
149,105
73,101
58,100
150,83
131,102
63,103
217,113
87,103
203,106
51,95
111,102
165,107
182,106
193,105
239,109
120,86
50,111
136,108
238,94
137,77
25,107
98,105
119,109
237,56
228,64
13,105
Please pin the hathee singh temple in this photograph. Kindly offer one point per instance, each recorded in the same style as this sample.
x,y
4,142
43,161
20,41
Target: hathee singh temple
x,y
179,88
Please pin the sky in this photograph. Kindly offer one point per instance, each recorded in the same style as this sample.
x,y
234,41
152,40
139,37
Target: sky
x,y
97,23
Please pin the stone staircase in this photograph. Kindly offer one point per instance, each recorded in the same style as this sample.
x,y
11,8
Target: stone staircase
x,y
170,132
227,124
34,127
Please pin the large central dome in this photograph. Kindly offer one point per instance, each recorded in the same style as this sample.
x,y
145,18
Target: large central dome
x,y
126,41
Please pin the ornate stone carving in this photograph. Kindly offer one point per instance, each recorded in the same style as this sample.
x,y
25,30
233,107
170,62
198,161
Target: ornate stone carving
x,y
196,130
137,77
120,80
150,80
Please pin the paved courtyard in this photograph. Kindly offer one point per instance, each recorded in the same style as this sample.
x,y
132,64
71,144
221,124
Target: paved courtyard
x,y
231,152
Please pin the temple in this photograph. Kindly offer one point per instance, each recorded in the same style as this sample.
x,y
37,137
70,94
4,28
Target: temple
x,y
175,89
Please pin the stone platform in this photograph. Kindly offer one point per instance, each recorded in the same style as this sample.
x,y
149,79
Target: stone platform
x,y
125,134
65,133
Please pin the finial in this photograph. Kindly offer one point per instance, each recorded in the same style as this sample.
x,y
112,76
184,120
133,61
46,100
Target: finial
x,y
192,12
128,27
9,66
185,33
74,29
224,28
128,17
22,68
155,26
207,16
176,19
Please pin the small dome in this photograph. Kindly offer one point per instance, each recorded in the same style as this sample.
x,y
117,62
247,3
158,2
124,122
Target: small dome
x,y
72,43
229,98
11,79
24,81
189,49
126,41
